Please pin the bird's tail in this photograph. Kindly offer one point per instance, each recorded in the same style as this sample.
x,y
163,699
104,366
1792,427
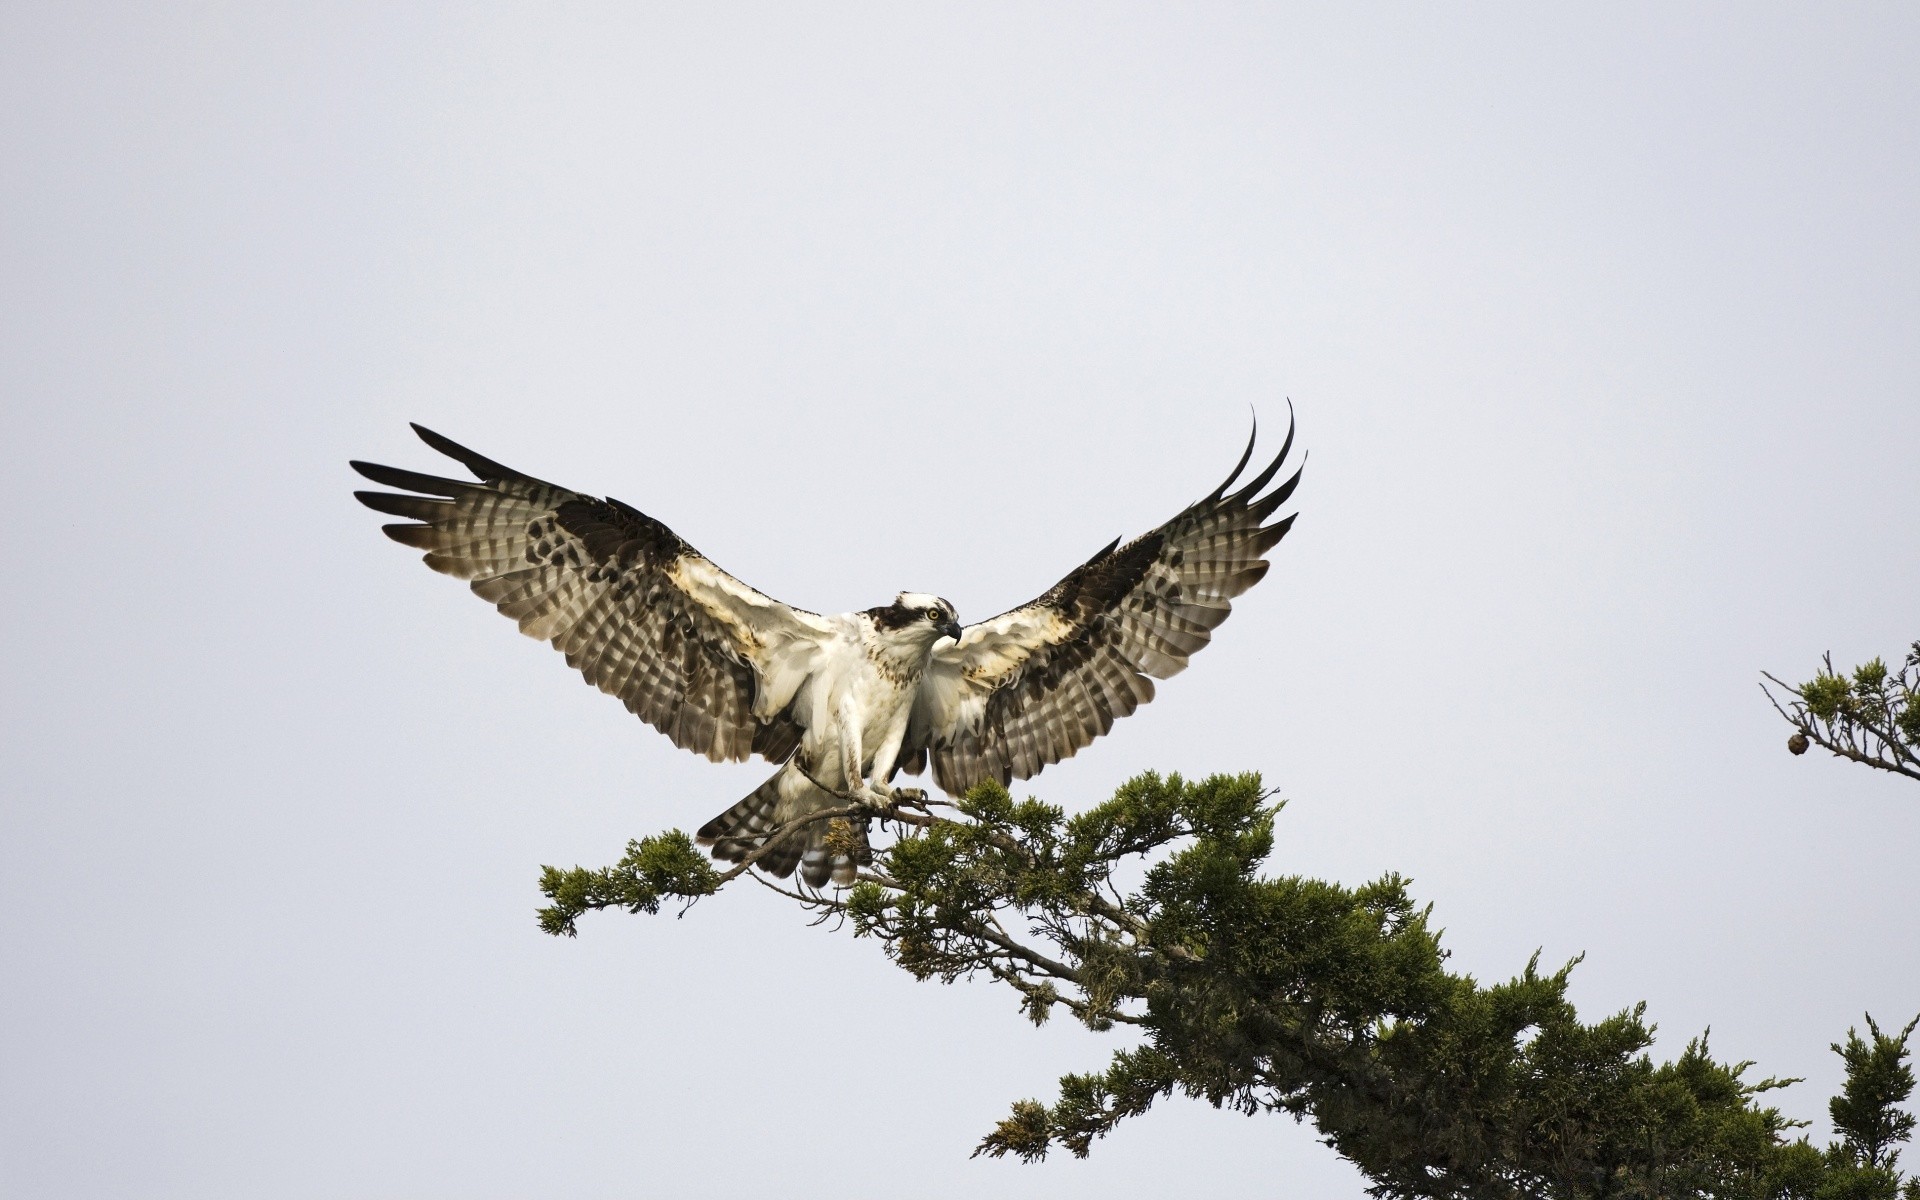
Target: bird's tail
x,y
835,848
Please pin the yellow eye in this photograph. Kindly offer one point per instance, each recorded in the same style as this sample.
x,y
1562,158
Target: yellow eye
x,y
932,614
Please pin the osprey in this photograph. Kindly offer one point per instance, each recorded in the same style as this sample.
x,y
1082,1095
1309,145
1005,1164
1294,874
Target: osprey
x,y
843,702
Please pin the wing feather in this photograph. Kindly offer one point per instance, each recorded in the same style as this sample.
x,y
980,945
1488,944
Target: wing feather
x,y
1038,683
689,649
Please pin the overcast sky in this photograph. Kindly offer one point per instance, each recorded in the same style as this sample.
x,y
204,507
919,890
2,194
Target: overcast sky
x,y
1603,328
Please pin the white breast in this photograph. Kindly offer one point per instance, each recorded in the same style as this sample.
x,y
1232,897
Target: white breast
x,y
876,691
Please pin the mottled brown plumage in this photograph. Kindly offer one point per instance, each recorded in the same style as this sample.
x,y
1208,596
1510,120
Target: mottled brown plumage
x,y
841,702
1038,683
595,578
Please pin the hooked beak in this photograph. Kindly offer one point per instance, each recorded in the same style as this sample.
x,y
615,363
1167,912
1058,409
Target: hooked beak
x,y
952,629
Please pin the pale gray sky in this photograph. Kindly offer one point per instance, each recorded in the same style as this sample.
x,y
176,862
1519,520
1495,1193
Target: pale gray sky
x,y
1601,325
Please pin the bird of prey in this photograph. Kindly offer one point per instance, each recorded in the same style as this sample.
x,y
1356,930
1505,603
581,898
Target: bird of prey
x,y
844,702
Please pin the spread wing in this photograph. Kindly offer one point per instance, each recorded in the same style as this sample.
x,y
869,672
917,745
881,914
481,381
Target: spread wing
x,y
690,650
1034,685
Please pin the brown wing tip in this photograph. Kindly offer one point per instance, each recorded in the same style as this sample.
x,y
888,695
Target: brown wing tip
x,y
420,537
1245,457
1252,487
399,504
482,466
413,481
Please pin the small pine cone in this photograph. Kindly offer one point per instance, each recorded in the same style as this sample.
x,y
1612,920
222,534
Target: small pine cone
x,y
1798,742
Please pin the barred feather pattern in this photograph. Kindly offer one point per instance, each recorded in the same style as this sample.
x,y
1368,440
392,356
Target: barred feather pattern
x,y
607,586
1037,684
738,832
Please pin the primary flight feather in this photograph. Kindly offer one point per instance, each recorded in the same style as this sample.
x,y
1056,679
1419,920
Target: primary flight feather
x,y
843,702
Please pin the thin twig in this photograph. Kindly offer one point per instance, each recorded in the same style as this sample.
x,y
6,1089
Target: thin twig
x,y
1837,739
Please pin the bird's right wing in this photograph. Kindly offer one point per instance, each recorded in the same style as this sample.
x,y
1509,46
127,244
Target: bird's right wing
x,y
1034,685
690,650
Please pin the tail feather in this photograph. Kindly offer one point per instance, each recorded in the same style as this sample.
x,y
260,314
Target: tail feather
x,y
788,795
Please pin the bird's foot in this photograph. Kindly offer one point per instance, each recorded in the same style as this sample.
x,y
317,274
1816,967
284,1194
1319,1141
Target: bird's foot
x,y
910,797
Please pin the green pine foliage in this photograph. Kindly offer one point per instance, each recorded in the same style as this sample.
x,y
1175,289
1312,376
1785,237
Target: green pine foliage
x,y
1863,1164
653,869
1282,994
1869,717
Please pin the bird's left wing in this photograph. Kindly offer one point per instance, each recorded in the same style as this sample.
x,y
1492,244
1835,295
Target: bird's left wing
x,y
1033,686
690,650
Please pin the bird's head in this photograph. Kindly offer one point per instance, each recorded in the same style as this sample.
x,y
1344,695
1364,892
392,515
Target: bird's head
x,y
919,610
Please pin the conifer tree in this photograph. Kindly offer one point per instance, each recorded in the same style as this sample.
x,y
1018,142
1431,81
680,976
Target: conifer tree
x,y
1283,994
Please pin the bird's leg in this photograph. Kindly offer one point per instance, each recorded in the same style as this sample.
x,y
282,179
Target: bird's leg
x,y
859,788
874,795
